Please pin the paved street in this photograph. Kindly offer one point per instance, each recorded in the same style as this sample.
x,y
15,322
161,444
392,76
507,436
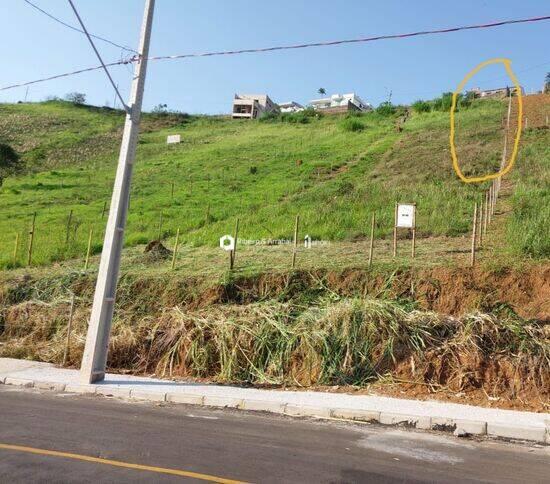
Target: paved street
x,y
142,442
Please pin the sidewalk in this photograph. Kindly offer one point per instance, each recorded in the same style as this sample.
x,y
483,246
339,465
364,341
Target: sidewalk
x,y
452,417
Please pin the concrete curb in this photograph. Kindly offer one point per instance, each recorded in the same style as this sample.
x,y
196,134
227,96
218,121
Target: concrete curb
x,y
459,427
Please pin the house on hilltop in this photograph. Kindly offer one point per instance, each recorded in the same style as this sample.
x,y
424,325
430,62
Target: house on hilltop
x,y
340,103
252,106
499,92
290,107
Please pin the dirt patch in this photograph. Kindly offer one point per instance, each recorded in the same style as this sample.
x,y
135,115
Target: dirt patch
x,y
155,250
536,111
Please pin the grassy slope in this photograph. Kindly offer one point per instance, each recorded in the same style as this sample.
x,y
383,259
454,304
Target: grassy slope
x,y
344,176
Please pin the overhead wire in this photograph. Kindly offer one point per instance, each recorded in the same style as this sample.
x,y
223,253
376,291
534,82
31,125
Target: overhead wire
x,y
98,55
66,74
58,20
352,41
292,47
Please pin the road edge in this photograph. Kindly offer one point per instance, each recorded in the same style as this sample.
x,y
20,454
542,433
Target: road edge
x,y
458,427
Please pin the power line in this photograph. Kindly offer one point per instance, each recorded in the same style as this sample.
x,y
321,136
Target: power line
x,y
353,41
291,47
36,7
98,55
67,74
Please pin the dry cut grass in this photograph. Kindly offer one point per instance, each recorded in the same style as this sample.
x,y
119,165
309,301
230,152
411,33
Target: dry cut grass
x,y
337,341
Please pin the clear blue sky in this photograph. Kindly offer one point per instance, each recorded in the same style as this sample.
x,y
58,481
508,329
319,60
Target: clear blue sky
x,y
34,46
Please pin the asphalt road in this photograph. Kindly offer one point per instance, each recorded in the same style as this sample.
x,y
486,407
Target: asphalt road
x,y
232,445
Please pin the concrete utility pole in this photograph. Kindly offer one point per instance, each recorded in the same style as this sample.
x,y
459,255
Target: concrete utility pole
x,y
97,340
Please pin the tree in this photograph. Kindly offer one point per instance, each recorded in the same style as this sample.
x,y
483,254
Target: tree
x,y
547,83
76,97
322,91
10,163
160,108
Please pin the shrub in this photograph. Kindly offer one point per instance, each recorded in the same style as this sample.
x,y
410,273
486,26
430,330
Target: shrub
x,y
443,103
352,125
270,117
385,109
301,117
76,97
421,106
160,109
10,163
253,170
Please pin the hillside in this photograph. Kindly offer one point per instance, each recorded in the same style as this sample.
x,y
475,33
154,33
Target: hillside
x,y
432,327
265,173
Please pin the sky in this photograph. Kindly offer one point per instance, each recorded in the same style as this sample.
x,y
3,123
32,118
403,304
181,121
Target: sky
x,y
34,46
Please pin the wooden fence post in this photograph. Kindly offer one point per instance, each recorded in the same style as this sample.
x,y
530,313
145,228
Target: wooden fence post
x,y
160,227
371,246
395,232
69,327
485,213
474,228
175,254
233,252
69,220
172,192
89,249
15,248
104,209
207,217
489,214
480,220
31,240
295,248
494,201
413,250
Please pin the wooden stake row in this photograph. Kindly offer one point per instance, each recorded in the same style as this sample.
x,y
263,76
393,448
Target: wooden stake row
x,y
483,217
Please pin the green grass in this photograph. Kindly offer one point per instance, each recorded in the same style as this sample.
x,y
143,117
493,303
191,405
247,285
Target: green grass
x,y
262,172
528,229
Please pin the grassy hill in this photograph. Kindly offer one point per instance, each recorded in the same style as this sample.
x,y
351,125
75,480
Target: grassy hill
x,y
432,327
333,171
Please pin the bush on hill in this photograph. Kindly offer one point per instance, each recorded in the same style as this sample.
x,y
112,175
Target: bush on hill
x,y
386,109
352,125
10,163
421,106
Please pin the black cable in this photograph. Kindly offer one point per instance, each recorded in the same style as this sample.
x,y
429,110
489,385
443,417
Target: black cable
x,y
76,29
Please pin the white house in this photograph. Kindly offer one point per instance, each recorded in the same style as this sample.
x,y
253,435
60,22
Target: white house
x,y
251,106
339,103
499,92
290,107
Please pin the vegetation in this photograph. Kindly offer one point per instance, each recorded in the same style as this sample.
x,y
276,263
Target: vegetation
x,y
262,172
444,102
385,109
528,230
421,106
10,163
351,124
76,97
332,321
329,341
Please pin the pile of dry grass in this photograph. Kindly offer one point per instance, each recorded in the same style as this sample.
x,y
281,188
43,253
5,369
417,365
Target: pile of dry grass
x,y
338,342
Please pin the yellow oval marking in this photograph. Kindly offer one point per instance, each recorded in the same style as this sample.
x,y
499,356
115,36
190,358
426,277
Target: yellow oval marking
x,y
510,163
